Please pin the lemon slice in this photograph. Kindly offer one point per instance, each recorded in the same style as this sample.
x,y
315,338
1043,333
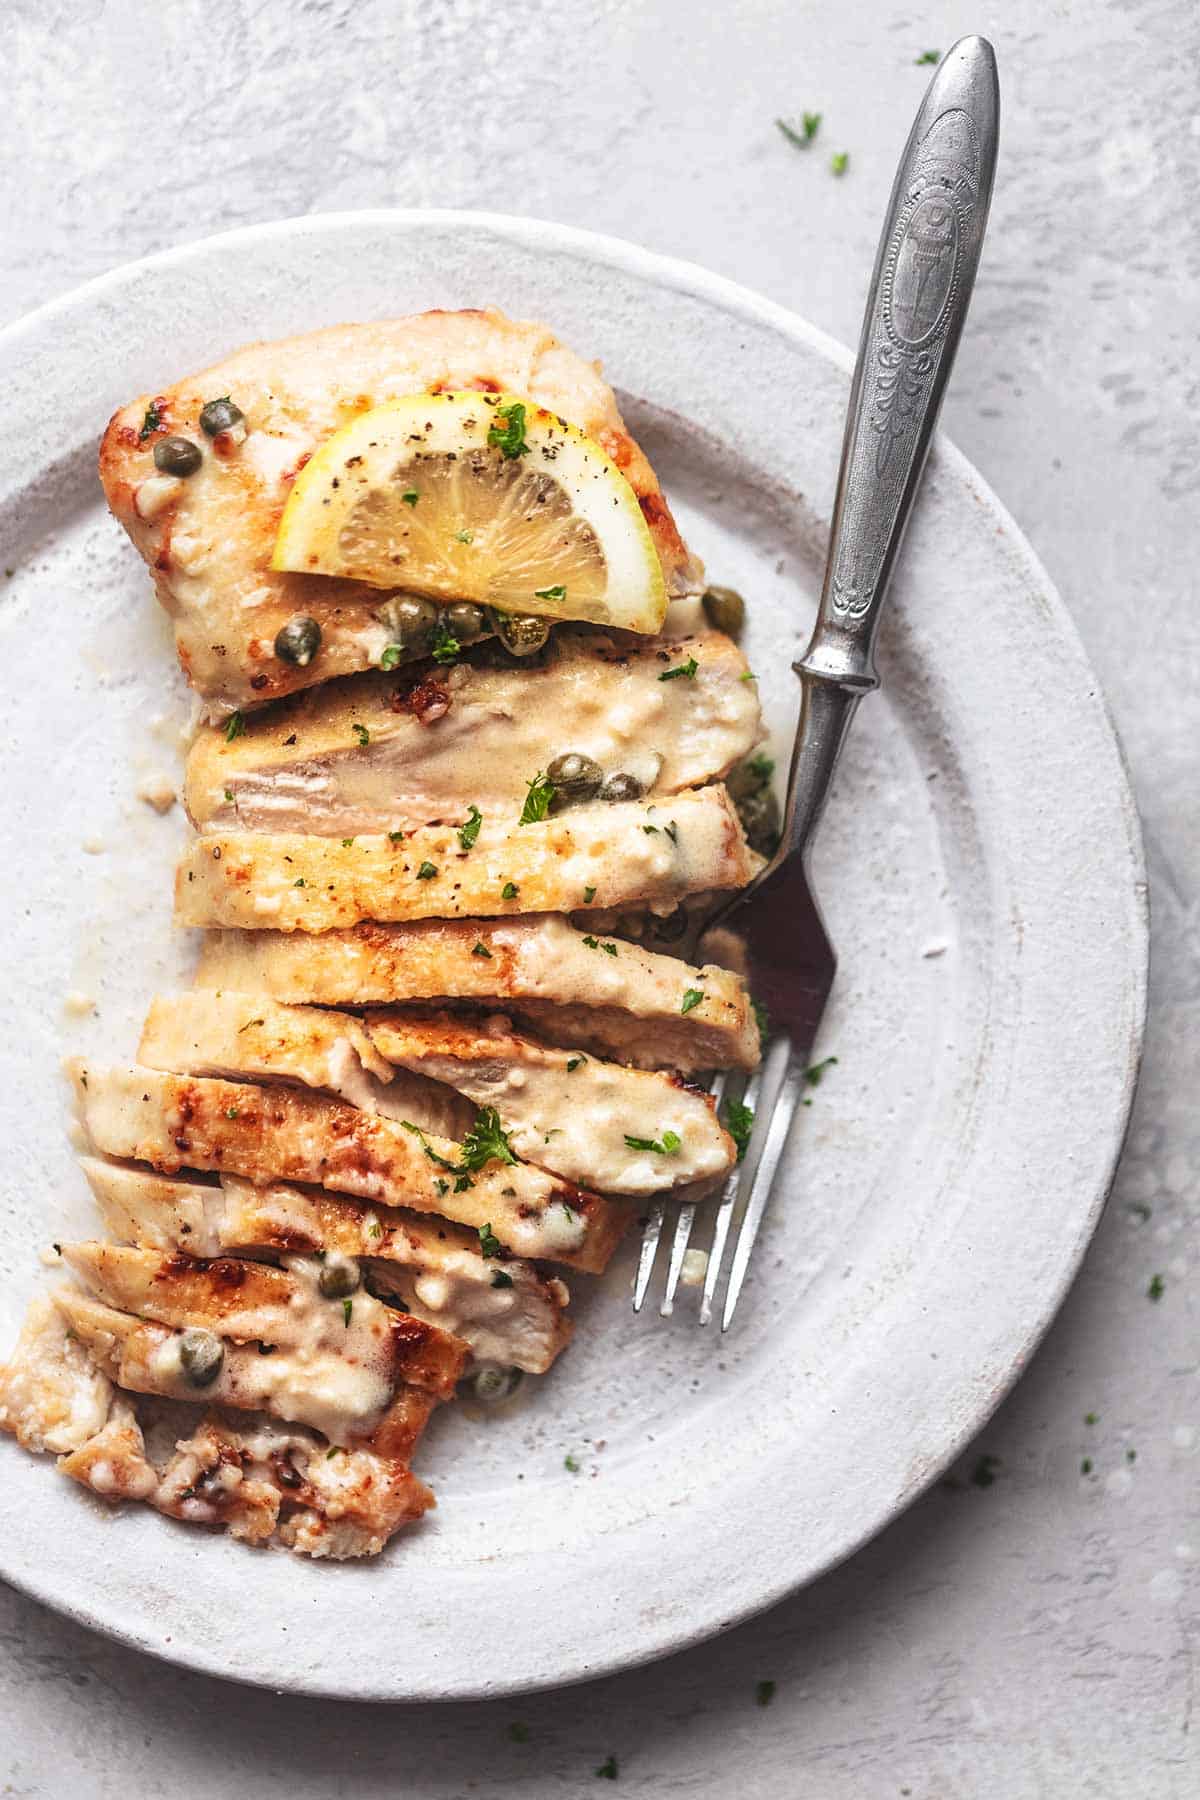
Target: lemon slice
x,y
469,496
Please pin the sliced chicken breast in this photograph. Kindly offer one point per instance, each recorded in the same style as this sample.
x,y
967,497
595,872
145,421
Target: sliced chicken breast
x,y
438,739
208,538
630,1007
508,1314
625,1131
281,1134
621,856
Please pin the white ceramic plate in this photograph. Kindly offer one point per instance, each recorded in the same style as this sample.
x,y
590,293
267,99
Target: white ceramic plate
x,y
981,869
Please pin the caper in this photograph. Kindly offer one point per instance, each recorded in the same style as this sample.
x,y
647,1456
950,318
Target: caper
x,y
201,1354
522,634
622,786
177,456
492,1384
673,927
339,1276
220,415
465,621
759,813
298,641
413,621
575,776
724,608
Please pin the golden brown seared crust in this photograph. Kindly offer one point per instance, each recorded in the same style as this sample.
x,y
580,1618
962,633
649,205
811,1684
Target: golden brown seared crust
x,y
438,738
282,1134
434,1267
627,855
252,1302
541,969
210,547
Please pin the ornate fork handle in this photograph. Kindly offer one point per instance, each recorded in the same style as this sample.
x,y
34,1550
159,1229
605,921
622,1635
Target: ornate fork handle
x,y
920,290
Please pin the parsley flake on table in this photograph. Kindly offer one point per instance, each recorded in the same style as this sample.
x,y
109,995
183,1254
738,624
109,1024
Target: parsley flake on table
x,y
538,795
839,162
664,1146
1157,1288
810,124
1086,1466
489,1243
764,1693
815,1073
468,831
509,438
682,672
571,1464
984,1472
691,999
932,57
607,1770
235,724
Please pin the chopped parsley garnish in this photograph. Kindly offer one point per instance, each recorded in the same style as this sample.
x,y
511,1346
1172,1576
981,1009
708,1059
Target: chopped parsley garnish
x,y
739,1123
509,438
442,1185
410,496
482,950
509,891
427,871
229,793
464,537
763,767
762,1019
595,944
468,831
571,1464
332,1452
501,1280
1091,1418
463,1184
573,1062
443,1162
395,837
815,1073
362,734
299,882
608,1769
235,724
391,656
446,647
748,676
839,162
550,593
928,56
538,795
672,830
347,1310
486,1141
489,1243
231,1112
666,1146
1086,1466
248,1024
649,828
1131,1456
691,998
764,1693
151,422
375,1229
589,894
346,843
682,671
810,124
1157,1288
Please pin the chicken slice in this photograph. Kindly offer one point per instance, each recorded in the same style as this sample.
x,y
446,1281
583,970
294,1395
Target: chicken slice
x,y
246,1036
312,1386
440,739
628,1006
625,1131
281,1134
52,1396
623,855
208,537
433,1267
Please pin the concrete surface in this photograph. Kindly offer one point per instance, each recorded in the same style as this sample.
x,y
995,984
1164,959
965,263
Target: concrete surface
x,y
1036,1636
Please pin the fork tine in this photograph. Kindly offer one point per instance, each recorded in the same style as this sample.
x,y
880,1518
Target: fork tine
x,y
733,1183
679,1244
781,1108
645,1269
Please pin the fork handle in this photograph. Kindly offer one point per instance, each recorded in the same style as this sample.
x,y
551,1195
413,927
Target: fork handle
x,y
921,287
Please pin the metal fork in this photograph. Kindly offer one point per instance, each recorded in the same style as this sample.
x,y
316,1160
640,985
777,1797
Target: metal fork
x,y
772,931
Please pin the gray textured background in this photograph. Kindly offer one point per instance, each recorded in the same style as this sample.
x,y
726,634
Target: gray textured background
x,y
1037,1637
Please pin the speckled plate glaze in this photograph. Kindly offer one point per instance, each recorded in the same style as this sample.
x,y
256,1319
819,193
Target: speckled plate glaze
x,y
982,872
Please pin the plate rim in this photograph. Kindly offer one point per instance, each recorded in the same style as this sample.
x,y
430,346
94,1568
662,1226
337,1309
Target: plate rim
x,y
693,279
